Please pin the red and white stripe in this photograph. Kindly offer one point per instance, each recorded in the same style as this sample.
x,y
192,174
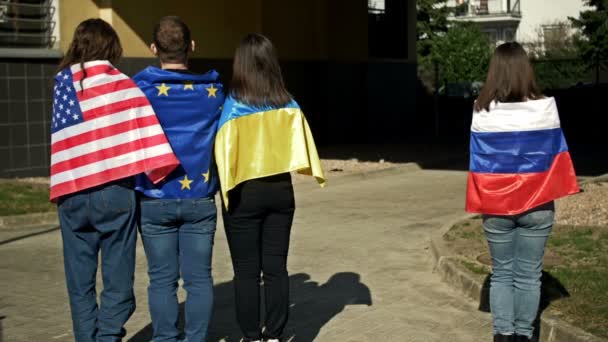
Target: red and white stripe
x,y
119,137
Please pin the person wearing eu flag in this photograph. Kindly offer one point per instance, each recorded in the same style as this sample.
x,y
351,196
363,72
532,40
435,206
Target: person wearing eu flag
x,y
519,164
262,136
178,216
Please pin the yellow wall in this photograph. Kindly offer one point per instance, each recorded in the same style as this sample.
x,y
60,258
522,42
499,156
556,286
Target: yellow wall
x,y
301,29
216,26
71,13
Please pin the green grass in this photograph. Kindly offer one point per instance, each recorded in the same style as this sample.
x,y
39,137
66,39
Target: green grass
x,y
582,269
584,273
24,198
475,267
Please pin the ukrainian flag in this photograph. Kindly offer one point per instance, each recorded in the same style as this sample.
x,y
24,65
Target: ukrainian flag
x,y
256,142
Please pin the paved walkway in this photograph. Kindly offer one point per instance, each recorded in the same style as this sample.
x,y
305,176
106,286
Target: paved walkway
x,y
360,270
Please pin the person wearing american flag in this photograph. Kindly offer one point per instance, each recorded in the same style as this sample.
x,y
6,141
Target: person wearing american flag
x,y
104,132
179,215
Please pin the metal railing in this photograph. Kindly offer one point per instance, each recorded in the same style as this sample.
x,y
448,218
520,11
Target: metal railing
x,y
27,24
474,8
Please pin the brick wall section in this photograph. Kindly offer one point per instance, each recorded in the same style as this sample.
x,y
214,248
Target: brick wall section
x,y
25,105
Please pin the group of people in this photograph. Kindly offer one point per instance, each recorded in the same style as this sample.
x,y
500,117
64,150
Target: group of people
x,y
152,151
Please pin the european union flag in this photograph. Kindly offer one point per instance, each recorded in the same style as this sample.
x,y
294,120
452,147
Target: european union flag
x,y
188,107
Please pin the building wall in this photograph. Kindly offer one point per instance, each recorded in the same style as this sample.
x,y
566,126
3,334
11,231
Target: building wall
x,y
536,13
25,112
301,29
216,25
322,46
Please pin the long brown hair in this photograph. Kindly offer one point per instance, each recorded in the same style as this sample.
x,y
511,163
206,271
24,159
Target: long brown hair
x,y
256,76
510,78
94,39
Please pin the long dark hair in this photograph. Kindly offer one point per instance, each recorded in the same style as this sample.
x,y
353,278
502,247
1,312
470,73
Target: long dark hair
x,y
94,39
510,78
256,75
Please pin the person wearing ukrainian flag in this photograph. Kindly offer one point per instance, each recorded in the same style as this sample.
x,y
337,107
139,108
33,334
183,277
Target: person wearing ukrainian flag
x,y
519,164
262,137
178,216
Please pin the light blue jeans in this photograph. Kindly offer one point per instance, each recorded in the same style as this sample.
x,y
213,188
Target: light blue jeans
x,y
178,240
517,245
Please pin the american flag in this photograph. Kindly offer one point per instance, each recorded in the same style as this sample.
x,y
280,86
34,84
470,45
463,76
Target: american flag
x,y
103,129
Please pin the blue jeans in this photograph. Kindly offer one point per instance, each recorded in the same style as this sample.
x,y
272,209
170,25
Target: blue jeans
x,y
178,239
517,245
99,219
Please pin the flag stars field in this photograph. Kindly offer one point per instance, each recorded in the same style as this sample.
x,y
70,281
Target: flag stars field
x,y
163,89
185,182
188,85
211,91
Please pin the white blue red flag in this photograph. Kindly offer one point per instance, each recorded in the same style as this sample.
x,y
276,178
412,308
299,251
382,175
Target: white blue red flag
x,y
519,158
103,129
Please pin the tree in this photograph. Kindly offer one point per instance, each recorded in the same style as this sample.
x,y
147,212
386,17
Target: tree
x,y
593,47
554,54
463,53
431,21
458,51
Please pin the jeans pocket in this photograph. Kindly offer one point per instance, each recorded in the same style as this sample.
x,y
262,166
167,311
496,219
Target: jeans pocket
x,y
116,198
539,218
65,203
203,201
203,215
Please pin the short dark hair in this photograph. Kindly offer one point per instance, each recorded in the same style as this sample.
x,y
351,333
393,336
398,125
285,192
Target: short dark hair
x,y
256,74
172,39
510,78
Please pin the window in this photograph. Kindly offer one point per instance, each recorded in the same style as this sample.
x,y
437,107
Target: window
x,y
376,6
27,23
553,33
509,35
483,7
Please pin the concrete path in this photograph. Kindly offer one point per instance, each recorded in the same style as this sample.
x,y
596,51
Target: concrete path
x,y
360,266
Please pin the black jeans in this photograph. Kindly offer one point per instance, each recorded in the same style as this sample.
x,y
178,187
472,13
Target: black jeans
x,y
258,225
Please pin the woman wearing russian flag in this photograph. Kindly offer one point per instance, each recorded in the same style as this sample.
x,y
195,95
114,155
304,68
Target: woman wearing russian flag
x,y
519,164
262,137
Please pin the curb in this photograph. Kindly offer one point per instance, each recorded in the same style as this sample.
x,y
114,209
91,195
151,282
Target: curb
x,y
596,179
18,221
552,328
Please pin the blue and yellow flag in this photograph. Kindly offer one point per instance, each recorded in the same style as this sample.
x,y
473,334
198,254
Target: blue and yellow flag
x,y
256,142
188,107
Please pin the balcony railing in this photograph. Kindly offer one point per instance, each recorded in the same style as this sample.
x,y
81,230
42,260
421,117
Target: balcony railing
x,y
477,8
27,23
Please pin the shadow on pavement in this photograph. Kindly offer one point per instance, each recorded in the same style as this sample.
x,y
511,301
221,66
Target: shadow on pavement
x,y
551,290
312,306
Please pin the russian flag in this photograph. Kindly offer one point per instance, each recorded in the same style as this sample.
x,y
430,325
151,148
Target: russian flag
x,y
519,158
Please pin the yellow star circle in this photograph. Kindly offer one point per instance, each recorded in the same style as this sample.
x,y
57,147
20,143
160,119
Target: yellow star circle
x,y
188,85
185,182
163,89
211,91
